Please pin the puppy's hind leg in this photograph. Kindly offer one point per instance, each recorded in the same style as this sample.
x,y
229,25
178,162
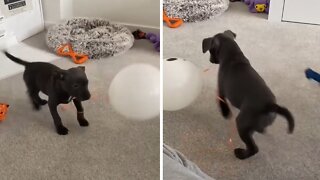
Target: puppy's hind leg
x,y
245,133
33,92
224,107
35,98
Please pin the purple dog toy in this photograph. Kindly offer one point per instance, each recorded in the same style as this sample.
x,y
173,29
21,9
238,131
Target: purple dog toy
x,y
155,39
258,6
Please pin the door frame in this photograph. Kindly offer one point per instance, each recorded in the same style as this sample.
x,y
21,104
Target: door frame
x,y
276,10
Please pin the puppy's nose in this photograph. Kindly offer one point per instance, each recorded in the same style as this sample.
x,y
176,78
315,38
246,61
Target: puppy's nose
x,y
86,96
89,95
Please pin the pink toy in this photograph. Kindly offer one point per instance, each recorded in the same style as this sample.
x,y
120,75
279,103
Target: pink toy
x,y
258,6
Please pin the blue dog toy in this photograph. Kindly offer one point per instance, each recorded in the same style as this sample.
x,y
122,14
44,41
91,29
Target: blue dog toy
x,y
310,74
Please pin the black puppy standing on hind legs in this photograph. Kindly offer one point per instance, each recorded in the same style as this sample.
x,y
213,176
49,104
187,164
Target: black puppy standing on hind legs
x,y
60,85
245,89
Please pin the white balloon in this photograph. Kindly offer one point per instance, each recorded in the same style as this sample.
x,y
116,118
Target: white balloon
x,y
182,83
135,92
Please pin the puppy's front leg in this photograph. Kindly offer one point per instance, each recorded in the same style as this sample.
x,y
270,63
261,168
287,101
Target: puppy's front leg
x,y
56,118
80,114
224,107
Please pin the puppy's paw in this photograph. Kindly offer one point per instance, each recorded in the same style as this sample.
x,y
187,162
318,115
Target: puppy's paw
x,y
241,153
61,130
83,122
226,113
225,110
36,106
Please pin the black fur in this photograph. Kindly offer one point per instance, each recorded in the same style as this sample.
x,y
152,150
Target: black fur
x,y
225,110
284,112
60,85
245,89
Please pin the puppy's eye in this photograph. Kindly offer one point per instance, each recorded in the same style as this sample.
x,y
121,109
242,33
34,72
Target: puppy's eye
x,y
75,86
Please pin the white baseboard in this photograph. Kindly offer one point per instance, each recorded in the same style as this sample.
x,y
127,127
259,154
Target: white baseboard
x,y
144,28
47,24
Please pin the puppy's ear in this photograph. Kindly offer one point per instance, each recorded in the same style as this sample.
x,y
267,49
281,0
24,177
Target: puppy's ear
x,y
83,68
206,44
230,34
58,74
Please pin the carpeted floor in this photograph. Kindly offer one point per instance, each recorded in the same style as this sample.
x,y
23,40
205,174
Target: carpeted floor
x,y
280,52
110,148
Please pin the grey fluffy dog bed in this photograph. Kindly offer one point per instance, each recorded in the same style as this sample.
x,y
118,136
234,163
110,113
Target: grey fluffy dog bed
x,y
194,10
96,38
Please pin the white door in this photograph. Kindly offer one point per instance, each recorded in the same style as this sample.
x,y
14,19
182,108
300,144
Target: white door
x,y
23,18
303,11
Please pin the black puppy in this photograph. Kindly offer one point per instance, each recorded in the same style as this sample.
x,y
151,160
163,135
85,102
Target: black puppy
x,y
60,85
245,89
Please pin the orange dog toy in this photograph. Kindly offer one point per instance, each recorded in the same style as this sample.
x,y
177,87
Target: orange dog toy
x,y
66,50
172,22
3,111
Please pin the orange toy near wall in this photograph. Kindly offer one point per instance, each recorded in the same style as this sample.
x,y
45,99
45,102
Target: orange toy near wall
x,y
172,22
66,50
3,111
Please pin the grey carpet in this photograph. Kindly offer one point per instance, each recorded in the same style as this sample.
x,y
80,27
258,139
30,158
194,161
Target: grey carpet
x,y
279,52
110,148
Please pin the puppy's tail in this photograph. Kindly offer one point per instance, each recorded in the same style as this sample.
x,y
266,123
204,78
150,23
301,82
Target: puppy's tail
x,y
15,59
283,112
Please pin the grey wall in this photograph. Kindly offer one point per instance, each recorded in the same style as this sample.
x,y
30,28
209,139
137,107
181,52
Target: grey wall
x,y
139,12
